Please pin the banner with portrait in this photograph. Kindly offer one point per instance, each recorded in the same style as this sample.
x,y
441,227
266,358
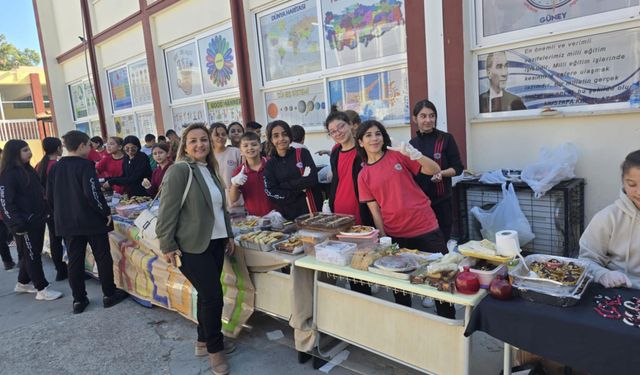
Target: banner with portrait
x,y
225,111
289,41
594,69
304,105
381,96
120,89
361,30
218,61
183,72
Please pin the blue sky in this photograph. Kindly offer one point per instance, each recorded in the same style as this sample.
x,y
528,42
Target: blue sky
x,y
18,23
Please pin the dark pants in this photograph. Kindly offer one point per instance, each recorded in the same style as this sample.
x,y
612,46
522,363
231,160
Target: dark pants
x,y
5,253
30,260
444,214
76,251
432,242
55,244
203,271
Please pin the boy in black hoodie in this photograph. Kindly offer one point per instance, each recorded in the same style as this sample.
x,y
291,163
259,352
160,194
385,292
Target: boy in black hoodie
x,y
86,218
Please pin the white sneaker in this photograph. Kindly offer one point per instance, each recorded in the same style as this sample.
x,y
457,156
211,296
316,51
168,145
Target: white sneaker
x,y
25,288
47,294
427,302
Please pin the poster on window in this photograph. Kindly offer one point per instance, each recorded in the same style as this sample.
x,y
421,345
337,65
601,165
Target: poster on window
x,y
183,71
146,123
90,96
595,69
94,127
361,30
381,96
225,111
120,90
303,106
78,100
83,127
289,41
501,16
140,84
185,115
218,61
125,125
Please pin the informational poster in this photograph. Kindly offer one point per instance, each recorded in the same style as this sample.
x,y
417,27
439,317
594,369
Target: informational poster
x,y
289,41
140,84
594,69
120,90
146,123
90,97
361,30
218,61
381,96
303,105
501,16
94,127
185,115
183,72
225,111
125,125
78,100
83,127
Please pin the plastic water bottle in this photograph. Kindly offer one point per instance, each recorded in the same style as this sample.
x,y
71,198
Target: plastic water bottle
x,y
634,97
326,209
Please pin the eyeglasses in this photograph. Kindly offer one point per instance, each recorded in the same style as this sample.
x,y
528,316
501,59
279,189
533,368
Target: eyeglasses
x,y
131,149
339,129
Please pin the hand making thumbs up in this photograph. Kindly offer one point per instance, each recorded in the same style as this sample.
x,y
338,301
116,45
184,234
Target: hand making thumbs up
x,y
239,179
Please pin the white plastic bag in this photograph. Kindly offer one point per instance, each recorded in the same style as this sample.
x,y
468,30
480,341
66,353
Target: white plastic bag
x,y
552,167
325,175
493,177
505,215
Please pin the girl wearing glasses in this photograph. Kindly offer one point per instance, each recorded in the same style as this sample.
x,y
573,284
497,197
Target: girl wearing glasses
x,y
135,168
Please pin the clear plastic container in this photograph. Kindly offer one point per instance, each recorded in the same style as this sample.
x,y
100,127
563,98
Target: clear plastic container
x,y
485,277
313,237
335,252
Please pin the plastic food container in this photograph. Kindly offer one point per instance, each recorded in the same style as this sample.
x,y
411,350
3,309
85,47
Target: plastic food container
x,y
313,237
130,209
360,241
335,252
485,277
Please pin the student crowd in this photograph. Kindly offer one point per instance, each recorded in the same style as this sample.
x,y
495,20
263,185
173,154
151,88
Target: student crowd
x,y
211,172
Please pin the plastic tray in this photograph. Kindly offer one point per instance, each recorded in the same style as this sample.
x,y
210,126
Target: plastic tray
x,y
335,252
257,246
297,250
554,299
466,249
325,222
313,237
521,275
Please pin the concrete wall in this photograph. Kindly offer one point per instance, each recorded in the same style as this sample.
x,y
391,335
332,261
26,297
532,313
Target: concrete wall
x,y
66,23
107,13
186,18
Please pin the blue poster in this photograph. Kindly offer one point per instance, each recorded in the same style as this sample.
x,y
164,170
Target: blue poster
x,y
120,90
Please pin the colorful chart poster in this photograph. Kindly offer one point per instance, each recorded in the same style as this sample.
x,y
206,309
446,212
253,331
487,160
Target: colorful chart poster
x,y
594,69
125,125
94,128
218,61
381,96
361,30
303,105
289,41
183,72
185,115
146,123
225,111
500,16
90,97
120,90
140,83
83,127
78,100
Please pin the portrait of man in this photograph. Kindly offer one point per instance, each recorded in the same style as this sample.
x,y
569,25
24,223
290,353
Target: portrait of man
x,y
496,98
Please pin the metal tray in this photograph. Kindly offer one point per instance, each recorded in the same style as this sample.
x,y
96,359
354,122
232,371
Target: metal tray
x,y
521,275
315,222
555,299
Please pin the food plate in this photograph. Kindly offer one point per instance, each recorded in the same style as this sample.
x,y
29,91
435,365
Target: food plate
x,y
359,231
396,263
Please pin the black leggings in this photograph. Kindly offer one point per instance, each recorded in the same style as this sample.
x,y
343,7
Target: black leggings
x,y
5,253
30,249
432,242
203,271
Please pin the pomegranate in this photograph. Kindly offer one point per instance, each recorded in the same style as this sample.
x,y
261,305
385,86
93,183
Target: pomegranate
x,y
467,282
500,288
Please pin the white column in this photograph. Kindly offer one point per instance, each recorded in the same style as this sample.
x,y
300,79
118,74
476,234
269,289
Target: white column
x,y
436,85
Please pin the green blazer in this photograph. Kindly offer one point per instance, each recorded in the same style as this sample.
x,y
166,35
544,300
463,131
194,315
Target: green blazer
x,y
188,228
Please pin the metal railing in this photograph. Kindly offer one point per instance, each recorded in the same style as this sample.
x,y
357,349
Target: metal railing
x,y
23,129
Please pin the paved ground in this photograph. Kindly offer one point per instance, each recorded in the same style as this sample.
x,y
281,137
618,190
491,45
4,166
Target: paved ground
x,y
44,337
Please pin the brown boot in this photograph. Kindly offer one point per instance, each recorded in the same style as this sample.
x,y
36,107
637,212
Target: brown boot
x,y
219,364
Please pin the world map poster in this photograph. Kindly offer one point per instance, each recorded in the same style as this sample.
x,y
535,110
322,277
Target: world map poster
x,y
362,30
289,41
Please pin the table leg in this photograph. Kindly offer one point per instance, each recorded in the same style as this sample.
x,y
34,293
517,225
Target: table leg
x,y
506,363
467,341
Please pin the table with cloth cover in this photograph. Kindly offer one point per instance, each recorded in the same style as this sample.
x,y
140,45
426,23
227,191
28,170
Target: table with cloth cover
x,y
574,336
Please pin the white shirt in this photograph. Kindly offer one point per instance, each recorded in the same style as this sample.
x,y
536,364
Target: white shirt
x,y
219,227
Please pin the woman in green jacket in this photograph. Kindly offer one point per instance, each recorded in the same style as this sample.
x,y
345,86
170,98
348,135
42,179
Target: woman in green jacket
x,y
194,228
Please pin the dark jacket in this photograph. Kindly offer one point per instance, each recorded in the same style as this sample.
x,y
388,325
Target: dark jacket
x,y
447,155
74,192
22,199
365,214
508,102
133,172
284,184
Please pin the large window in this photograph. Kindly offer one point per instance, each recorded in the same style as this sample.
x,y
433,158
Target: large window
x,y
548,72
83,107
350,54
203,79
130,96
